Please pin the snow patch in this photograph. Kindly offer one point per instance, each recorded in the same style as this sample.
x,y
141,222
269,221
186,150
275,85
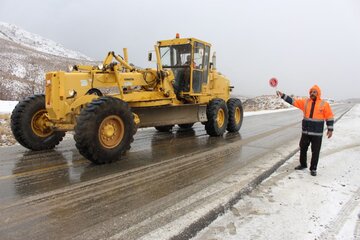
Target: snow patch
x,y
7,106
253,113
18,70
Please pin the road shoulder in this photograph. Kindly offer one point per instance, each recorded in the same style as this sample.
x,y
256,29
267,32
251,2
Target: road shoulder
x,y
294,204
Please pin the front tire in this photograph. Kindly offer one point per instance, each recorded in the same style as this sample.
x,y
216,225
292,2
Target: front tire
x,y
217,115
104,130
236,114
28,125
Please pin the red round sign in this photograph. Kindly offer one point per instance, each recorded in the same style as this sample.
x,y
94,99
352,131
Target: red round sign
x,y
273,82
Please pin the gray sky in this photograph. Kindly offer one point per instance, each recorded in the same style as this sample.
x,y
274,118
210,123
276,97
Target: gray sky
x,y
301,42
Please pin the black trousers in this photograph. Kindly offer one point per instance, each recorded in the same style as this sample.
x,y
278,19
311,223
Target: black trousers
x,y
315,149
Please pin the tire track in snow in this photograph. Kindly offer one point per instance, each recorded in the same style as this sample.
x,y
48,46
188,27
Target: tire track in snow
x,y
335,226
343,148
357,229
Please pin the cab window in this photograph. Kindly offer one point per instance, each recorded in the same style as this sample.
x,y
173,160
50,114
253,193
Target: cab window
x,y
199,55
175,56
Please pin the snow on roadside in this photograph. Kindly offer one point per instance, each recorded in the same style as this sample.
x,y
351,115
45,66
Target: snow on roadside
x,y
7,106
253,113
294,205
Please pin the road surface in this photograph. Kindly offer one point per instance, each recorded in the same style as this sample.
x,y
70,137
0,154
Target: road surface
x,y
58,194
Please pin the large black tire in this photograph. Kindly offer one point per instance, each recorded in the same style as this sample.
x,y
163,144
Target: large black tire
x,y
28,125
217,115
165,128
104,130
186,126
236,114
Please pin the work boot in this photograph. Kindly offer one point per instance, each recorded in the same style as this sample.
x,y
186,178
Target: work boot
x,y
313,173
300,167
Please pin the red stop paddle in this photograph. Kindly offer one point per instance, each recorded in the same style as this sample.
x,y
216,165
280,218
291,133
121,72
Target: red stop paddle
x,y
273,83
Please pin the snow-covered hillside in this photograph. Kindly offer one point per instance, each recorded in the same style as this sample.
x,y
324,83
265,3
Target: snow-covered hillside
x,y
26,57
264,102
17,35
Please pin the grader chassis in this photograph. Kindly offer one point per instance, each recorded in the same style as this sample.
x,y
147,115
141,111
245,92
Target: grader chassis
x,y
184,88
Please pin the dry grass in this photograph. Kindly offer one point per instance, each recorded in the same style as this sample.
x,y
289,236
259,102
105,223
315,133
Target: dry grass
x,y
6,136
4,116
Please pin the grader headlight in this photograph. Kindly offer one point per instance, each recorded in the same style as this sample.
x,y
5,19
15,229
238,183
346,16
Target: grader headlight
x,y
100,67
72,93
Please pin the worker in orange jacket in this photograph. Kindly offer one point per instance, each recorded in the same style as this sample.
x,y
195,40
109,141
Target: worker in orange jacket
x,y
316,111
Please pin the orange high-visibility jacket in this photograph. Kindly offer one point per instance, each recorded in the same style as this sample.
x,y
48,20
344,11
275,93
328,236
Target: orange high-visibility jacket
x,y
313,122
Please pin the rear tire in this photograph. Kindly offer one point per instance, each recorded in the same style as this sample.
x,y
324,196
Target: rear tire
x,y
217,115
28,125
104,130
165,128
236,115
186,126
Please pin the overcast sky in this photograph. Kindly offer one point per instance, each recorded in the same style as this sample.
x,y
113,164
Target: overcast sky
x,y
301,42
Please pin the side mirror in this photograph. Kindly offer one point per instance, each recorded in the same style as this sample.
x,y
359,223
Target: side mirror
x,y
149,56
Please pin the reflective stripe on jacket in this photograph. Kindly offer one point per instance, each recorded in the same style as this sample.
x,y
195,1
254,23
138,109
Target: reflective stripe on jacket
x,y
313,125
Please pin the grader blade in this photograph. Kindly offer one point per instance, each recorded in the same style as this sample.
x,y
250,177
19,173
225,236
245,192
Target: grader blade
x,y
170,115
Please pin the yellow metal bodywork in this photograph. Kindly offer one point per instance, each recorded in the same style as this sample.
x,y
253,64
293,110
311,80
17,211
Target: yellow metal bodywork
x,y
67,92
217,85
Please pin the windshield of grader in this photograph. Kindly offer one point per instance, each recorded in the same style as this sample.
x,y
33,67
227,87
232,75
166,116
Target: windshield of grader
x,y
178,59
175,56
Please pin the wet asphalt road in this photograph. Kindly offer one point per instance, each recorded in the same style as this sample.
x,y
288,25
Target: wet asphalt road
x,y
58,194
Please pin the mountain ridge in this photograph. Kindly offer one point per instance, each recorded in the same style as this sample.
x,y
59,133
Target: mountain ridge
x,y
34,41
23,67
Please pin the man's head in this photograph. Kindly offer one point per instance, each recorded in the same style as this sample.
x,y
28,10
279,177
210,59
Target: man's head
x,y
315,92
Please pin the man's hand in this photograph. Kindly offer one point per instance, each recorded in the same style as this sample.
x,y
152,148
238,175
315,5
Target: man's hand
x,y
329,134
280,94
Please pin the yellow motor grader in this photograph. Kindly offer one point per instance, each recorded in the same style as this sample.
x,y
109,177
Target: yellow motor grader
x,y
105,104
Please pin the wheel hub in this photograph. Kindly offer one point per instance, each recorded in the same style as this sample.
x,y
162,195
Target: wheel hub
x,y
111,131
38,124
237,115
220,119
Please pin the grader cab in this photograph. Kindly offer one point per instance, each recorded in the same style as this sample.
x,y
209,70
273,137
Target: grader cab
x,y
104,105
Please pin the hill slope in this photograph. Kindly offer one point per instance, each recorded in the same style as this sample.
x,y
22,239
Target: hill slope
x,y
26,57
15,34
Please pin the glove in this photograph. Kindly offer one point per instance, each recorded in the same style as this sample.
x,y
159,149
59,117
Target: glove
x,y
329,134
280,94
